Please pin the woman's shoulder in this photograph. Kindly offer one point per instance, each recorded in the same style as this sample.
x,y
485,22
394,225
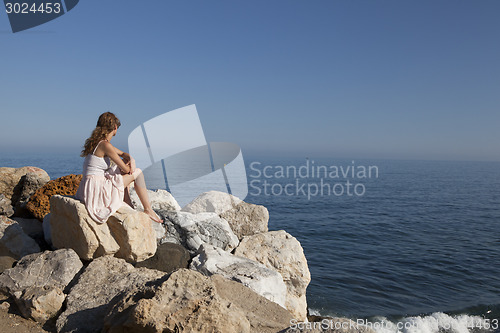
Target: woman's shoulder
x,y
106,145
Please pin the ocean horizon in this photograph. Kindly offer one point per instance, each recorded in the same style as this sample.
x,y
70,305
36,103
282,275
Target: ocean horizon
x,y
413,241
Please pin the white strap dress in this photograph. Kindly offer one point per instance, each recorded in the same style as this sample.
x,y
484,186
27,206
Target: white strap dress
x,y
101,188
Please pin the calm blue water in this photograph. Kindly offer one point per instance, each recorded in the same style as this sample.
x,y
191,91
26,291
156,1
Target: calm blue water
x,y
423,238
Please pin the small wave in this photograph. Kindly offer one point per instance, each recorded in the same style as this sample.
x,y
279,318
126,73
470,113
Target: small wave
x,y
434,323
437,322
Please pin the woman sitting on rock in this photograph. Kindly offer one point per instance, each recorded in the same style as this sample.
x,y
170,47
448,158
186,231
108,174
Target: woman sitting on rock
x,y
104,188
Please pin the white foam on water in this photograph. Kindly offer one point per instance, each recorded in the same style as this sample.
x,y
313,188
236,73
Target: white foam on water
x,y
434,323
437,322
314,312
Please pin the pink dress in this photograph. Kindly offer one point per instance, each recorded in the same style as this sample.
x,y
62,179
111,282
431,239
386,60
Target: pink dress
x,y
101,188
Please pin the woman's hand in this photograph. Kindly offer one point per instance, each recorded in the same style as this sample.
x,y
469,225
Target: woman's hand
x,y
131,163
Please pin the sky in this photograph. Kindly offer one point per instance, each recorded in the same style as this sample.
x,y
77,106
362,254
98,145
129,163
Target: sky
x,y
321,78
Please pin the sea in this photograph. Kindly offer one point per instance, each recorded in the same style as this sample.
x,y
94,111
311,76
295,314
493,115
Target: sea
x,y
396,245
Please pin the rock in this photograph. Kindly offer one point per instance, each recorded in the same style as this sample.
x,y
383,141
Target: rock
x,y
6,206
159,199
247,219
47,269
127,233
264,281
39,202
160,231
38,280
27,186
13,241
190,302
102,280
328,325
5,306
264,316
134,233
192,230
40,304
169,257
212,201
47,230
31,227
282,252
6,262
10,177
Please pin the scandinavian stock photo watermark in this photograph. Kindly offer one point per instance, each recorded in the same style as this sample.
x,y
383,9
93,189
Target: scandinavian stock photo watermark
x,y
310,179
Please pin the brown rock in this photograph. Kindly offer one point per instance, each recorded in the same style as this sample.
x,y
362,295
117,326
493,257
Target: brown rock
x,y
39,203
191,302
10,177
6,206
103,280
127,234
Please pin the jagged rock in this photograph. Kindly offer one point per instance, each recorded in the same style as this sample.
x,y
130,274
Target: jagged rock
x,y
13,240
212,201
102,280
47,269
169,257
39,202
159,199
328,325
127,234
40,304
10,177
38,280
190,302
264,281
27,186
192,230
6,206
282,252
245,219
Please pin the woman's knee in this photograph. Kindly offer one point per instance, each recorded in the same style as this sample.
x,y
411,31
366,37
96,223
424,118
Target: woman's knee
x,y
136,173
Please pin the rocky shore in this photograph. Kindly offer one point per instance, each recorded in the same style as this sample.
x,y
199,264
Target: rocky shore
x,y
212,266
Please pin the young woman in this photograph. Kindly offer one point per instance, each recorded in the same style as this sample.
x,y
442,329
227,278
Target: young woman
x,y
104,188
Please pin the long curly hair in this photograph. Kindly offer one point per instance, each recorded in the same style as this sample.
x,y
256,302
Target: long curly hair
x,y
105,125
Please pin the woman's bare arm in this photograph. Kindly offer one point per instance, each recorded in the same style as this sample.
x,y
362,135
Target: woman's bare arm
x,y
112,152
123,155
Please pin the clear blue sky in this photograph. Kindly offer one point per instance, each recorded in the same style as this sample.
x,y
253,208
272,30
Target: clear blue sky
x,y
376,78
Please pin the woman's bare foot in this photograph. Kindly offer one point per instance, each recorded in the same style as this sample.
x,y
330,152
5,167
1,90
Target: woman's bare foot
x,y
152,215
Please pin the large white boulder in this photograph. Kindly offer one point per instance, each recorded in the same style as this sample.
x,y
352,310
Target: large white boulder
x,y
245,219
127,234
282,252
264,281
192,230
212,201
159,200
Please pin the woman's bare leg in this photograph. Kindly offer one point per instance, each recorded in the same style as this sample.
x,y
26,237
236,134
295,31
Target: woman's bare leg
x,y
126,197
142,193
